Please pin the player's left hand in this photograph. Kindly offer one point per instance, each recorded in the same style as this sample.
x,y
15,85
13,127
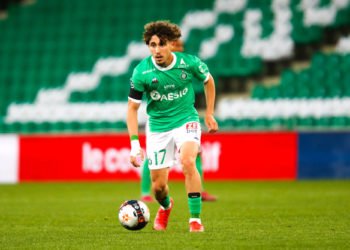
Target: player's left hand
x,y
211,123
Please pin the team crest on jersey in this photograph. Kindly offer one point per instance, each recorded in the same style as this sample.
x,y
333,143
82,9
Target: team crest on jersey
x,y
183,75
192,127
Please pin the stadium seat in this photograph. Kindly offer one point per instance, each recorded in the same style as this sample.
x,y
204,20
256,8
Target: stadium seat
x,y
84,54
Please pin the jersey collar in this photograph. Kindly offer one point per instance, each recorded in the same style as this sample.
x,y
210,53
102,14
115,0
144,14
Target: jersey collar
x,y
170,66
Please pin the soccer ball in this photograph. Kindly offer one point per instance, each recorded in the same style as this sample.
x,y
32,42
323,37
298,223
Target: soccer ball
x,y
133,215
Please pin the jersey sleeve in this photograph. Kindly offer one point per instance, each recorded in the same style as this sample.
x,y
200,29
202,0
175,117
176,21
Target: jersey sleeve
x,y
136,81
200,70
136,87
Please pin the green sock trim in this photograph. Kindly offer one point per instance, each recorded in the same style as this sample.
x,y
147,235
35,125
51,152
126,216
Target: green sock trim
x,y
195,206
165,203
145,179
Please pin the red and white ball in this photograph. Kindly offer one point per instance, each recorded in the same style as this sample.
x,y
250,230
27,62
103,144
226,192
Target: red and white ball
x,y
133,214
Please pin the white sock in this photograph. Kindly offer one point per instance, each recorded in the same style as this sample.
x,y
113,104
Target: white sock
x,y
196,219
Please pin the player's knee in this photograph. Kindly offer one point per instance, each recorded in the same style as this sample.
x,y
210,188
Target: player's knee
x,y
188,163
188,166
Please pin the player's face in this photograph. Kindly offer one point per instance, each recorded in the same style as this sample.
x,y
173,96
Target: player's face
x,y
161,51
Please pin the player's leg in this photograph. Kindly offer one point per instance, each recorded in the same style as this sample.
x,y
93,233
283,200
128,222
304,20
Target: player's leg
x,y
160,154
160,186
205,195
188,142
188,154
161,192
146,183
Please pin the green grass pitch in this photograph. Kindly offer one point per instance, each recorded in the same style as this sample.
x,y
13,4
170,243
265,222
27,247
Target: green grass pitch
x,y
253,215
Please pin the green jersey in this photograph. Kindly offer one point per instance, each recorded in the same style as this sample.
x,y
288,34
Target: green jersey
x,y
169,91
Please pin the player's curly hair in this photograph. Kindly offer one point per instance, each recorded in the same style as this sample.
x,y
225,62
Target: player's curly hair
x,y
165,30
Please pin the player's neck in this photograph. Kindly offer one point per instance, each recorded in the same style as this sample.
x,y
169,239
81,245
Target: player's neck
x,y
168,62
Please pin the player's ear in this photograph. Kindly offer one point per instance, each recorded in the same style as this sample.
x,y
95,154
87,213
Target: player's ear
x,y
172,45
177,45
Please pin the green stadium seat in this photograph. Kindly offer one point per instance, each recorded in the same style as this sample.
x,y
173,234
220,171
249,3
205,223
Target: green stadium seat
x,y
275,92
305,122
259,92
277,123
323,122
290,123
288,77
261,123
244,123
339,121
288,91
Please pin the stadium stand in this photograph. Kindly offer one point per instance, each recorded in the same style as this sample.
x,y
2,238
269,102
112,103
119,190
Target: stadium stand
x,y
65,66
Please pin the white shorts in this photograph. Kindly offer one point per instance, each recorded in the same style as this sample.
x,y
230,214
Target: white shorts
x,y
162,147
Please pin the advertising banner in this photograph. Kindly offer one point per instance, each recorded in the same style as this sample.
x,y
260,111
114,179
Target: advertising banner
x,y
250,156
324,155
225,156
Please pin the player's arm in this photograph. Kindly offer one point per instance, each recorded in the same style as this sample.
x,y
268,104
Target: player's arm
x,y
201,72
134,103
132,120
209,90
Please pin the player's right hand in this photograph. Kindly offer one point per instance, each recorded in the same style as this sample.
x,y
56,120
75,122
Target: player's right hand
x,y
136,154
137,160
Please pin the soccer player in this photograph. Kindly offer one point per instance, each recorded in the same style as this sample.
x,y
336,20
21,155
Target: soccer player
x,y
177,46
166,79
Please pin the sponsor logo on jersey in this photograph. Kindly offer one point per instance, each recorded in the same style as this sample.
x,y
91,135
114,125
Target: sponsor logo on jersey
x,y
183,75
169,86
156,96
182,64
192,127
132,84
148,71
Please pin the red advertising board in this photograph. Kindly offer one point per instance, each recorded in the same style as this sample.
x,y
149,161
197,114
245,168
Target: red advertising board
x,y
254,155
80,157
226,156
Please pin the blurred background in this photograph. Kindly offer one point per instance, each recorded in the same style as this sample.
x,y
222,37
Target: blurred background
x,y
282,71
